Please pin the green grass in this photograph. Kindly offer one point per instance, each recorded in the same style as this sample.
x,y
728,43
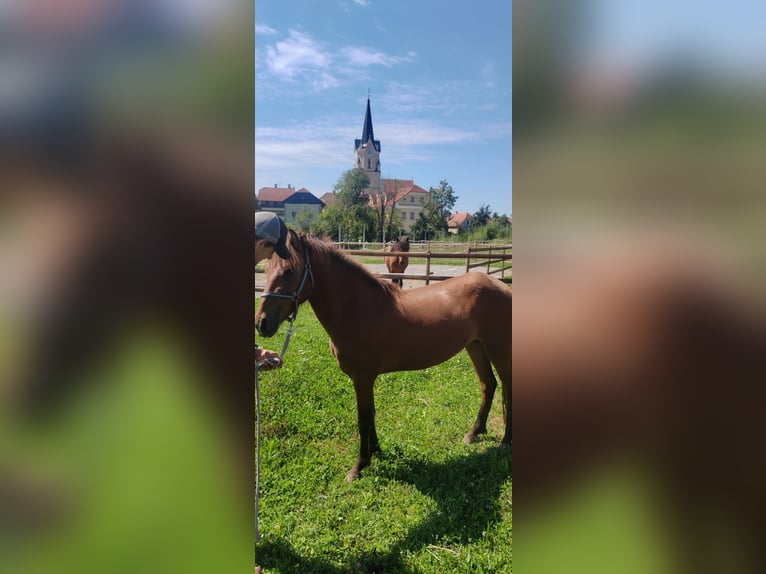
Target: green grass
x,y
138,465
429,504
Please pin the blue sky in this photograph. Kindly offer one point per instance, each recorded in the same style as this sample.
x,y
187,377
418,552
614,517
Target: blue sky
x,y
439,75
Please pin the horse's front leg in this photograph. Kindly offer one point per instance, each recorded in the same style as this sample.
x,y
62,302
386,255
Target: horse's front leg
x,y
368,437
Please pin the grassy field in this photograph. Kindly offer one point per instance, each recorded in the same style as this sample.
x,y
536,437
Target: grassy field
x,y
429,505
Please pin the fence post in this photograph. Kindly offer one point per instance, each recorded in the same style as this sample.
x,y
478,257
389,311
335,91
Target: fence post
x,y
489,259
502,266
428,265
468,259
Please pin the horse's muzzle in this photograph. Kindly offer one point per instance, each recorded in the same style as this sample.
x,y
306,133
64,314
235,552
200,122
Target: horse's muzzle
x,y
266,327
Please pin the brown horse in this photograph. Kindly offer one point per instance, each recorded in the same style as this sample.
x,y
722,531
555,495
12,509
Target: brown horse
x,y
398,263
376,328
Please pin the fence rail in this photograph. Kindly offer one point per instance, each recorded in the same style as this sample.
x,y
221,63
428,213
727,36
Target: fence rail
x,y
482,256
420,246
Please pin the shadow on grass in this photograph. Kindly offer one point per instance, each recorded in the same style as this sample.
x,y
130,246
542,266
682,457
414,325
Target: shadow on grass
x,y
466,490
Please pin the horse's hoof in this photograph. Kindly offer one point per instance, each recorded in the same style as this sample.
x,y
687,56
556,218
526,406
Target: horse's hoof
x,y
468,438
352,476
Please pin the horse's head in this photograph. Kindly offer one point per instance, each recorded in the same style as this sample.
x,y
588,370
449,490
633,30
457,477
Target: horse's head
x,y
288,284
403,243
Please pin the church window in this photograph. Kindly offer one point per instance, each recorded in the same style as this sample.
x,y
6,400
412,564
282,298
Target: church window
x,y
412,215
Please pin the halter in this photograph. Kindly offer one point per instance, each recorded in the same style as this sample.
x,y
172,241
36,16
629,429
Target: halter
x,y
296,295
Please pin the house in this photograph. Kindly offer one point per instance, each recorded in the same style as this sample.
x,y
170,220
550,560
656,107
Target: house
x,y
287,202
408,197
273,198
458,222
300,201
329,198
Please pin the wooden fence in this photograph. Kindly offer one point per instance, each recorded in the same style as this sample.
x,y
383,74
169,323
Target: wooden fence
x,y
485,255
475,255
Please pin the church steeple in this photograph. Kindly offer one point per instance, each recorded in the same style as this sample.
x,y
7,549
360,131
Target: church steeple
x,y
367,153
367,132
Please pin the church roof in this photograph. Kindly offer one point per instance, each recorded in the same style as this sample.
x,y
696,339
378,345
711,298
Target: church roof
x,y
367,132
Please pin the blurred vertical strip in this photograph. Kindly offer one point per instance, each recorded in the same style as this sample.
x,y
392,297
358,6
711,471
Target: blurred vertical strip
x,y
126,356
639,267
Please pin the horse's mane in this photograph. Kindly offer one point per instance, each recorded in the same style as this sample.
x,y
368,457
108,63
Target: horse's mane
x,y
332,254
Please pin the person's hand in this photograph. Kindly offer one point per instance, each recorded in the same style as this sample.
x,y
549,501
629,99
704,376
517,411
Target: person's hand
x,y
267,360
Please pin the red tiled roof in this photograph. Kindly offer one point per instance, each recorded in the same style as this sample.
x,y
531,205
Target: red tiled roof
x,y
395,186
275,193
328,198
457,219
413,189
401,187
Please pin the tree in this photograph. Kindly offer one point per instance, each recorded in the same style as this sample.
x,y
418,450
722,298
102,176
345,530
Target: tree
x,y
349,217
349,188
330,221
306,220
422,229
481,217
445,199
436,211
387,217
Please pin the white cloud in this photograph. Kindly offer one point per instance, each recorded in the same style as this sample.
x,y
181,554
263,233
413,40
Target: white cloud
x,y
316,143
298,54
300,57
265,29
362,2
368,57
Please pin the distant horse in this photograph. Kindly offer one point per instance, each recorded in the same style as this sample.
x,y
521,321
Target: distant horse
x,y
398,263
376,328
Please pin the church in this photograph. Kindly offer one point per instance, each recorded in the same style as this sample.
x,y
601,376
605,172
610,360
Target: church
x,y
407,197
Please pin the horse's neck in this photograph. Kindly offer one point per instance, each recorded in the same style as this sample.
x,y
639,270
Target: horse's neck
x,y
340,291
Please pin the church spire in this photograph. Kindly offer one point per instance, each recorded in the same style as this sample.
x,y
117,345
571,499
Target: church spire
x,y
367,133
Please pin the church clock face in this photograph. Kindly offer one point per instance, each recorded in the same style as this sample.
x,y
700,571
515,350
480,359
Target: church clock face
x,y
369,151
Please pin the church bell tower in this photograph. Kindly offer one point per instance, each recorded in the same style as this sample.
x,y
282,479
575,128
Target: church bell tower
x,y
367,154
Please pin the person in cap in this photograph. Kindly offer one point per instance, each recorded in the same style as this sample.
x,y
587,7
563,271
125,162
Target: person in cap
x,y
270,238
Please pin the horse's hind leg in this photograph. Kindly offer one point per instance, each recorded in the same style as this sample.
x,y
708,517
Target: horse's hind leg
x,y
488,382
501,357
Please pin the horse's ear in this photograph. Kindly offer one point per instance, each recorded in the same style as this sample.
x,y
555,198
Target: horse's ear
x,y
293,240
